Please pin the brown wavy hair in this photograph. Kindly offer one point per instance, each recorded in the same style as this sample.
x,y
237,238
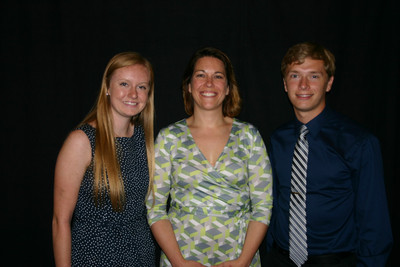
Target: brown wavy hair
x,y
232,102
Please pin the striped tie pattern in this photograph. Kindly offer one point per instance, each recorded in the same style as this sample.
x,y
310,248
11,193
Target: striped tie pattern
x,y
297,212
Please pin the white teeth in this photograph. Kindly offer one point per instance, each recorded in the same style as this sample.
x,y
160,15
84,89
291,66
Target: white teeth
x,y
208,94
131,103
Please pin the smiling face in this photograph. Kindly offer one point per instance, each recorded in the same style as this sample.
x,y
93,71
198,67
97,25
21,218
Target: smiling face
x,y
306,85
208,84
128,91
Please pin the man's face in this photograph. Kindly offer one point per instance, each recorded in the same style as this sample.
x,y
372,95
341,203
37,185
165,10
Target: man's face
x,y
306,85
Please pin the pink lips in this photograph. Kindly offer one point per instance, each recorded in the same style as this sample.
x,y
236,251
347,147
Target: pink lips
x,y
303,96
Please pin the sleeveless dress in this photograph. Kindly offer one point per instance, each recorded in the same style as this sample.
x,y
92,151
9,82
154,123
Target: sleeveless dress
x,y
102,237
211,206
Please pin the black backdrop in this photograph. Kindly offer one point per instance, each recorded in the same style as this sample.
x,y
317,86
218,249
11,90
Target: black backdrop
x,y
53,54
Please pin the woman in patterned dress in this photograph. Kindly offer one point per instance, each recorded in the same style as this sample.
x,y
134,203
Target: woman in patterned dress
x,y
216,172
102,174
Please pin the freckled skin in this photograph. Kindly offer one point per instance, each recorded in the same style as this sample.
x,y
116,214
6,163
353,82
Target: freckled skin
x,y
306,85
128,92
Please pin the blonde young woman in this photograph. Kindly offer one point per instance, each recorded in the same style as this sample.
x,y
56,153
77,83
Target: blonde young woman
x,y
216,171
102,174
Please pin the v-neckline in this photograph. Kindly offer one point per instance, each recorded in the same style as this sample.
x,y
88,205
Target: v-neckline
x,y
199,150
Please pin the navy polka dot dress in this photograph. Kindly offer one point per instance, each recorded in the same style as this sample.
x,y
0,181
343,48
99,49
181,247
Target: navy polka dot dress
x,y
102,237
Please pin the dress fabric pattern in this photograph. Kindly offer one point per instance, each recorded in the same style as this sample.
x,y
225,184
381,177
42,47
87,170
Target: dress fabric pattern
x,y
211,205
102,237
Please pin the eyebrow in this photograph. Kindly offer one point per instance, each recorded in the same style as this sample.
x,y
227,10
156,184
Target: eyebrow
x,y
143,83
313,72
205,71
127,80
320,72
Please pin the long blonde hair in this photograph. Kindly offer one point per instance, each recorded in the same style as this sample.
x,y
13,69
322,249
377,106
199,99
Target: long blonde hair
x,y
107,171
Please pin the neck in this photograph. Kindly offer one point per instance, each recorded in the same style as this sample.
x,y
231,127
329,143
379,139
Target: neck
x,y
123,128
207,119
306,116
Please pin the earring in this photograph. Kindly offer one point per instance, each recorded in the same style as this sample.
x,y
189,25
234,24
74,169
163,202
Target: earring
x,y
107,93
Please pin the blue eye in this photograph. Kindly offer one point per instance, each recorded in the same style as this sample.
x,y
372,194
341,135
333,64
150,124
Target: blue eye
x,y
142,87
124,84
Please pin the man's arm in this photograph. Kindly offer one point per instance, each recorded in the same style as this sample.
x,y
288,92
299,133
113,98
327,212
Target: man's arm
x,y
372,216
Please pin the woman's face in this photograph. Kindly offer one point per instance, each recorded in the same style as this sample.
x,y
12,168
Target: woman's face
x,y
208,84
129,89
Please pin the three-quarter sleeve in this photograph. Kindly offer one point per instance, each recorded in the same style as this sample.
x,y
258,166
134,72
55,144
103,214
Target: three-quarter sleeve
x,y
161,185
260,178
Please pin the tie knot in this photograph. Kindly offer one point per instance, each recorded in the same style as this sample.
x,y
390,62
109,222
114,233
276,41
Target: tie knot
x,y
303,130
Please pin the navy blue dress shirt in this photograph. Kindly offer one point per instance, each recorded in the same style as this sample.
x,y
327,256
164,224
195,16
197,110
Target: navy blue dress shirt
x,y
346,199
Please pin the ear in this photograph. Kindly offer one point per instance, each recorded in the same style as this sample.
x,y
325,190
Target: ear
x,y
227,91
190,88
329,84
284,85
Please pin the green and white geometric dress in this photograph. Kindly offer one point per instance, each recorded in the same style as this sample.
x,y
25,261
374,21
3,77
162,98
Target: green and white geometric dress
x,y
211,206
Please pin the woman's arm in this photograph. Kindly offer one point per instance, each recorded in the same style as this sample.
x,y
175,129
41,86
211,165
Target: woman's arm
x,y
254,236
260,188
72,162
164,234
161,226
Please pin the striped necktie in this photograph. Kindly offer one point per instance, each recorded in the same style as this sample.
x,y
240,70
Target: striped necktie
x,y
297,212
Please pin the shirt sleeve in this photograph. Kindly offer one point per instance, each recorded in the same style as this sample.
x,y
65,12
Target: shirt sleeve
x,y
269,240
372,216
161,185
260,179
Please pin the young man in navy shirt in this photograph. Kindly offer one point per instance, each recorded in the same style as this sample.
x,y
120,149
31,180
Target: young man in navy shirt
x,y
347,220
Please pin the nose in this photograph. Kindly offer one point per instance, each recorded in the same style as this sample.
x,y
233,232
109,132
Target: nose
x,y
133,92
209,81
303,83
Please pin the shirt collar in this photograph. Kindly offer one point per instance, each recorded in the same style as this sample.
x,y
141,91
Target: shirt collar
x,y
315,125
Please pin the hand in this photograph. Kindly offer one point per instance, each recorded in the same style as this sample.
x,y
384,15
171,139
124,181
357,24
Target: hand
x,y
187,263
232,263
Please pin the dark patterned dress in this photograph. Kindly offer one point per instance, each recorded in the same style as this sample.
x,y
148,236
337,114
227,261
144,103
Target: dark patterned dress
x,y
102,237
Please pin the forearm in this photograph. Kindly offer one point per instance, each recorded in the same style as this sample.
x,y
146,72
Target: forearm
x,y
61,244
254,236
165,237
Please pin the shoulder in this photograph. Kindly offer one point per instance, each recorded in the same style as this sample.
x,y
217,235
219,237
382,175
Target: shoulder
x,y
73,159
243,126
283,130
345,127
247,133
175,128
346,134
76,148
77,139
88,129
